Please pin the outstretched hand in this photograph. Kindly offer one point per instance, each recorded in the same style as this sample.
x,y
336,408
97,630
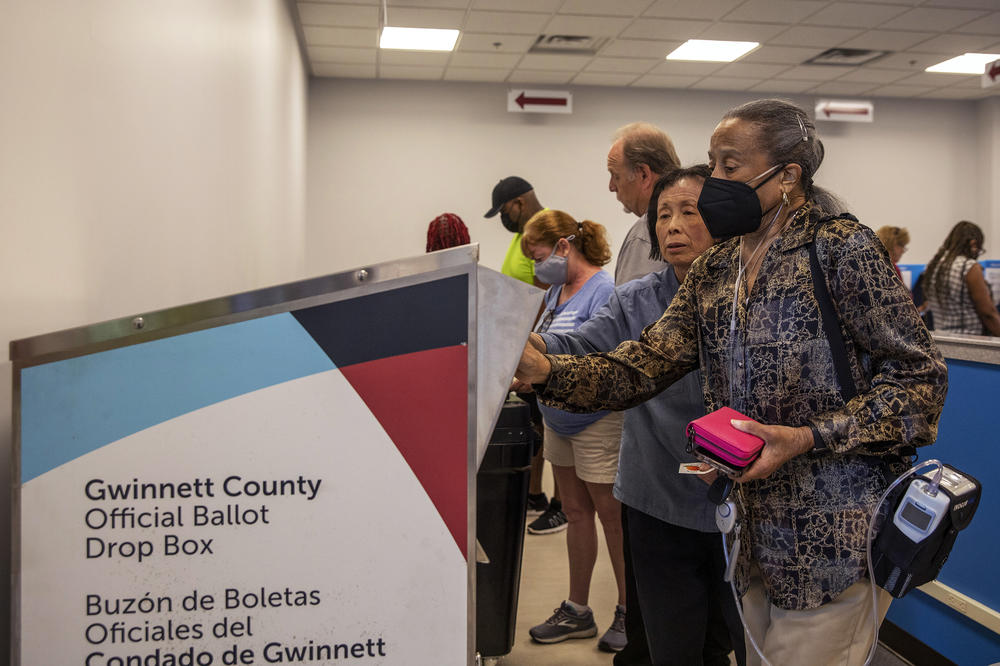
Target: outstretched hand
x,y
533,368
781,444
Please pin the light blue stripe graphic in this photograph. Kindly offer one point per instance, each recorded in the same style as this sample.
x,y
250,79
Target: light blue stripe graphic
x,y
72,407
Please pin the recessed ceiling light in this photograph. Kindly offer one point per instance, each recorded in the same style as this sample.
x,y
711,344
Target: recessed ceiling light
x,y
418,39
970,63
709,50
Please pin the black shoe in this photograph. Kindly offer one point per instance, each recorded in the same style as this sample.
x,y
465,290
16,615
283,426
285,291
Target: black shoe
x,y
537,504
550,522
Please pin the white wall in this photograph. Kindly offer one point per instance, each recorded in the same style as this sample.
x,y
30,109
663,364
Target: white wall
x,y
385,157
151,154
989,174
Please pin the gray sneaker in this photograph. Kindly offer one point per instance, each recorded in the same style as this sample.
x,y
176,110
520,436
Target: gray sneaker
x,y
613,639
565,623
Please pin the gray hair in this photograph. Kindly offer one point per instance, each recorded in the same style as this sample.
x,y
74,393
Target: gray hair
x,y
789,136
643,143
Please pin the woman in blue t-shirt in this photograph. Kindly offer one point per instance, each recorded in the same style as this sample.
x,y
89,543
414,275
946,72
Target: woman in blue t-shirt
x,y
582,448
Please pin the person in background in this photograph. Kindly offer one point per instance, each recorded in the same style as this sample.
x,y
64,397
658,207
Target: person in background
x,y
514,199
957,293
640,154
895,240
446,230
748,316
583,448
670,535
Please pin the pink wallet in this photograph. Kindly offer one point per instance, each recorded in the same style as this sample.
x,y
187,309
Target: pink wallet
x,y
712,438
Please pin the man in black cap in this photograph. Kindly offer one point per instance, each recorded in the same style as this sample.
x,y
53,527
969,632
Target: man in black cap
x,y
515,200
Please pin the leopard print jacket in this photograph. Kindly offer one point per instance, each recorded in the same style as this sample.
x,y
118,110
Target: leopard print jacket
x,y
806,523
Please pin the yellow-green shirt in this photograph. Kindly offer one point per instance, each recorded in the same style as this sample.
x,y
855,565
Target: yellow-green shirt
x,y
516,265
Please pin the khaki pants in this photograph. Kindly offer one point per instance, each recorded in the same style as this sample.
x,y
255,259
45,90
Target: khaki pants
x,y
835,634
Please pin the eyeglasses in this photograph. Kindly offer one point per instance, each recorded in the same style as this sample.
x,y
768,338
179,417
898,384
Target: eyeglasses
x,y
545,321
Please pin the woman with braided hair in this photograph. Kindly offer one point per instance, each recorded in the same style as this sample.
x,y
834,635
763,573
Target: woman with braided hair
x,y
446,230
955,287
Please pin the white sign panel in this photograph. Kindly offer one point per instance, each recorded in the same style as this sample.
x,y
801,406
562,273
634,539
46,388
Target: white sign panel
x,y
991,74
845,111
260,492
521,100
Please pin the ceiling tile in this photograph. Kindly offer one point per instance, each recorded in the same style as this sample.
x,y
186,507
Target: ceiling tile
x,y
343,16
775,11
887,40
725,83
435,4
345,71
599,26
891,2
639,48
971,82
341,54
854,14
953,45
603,79
929,18
483,60
474,74
540,6
910,61
811,73
620,65
935,79
506,22
662,29
539,77
603,7
412,17
554,63
953,93
751,70
873,75
687,68
323,36
743,32
494,42
414,58
842,88
811,35
899,91
691,9
659,81
988,25
781,55
407,72
964,4
780,86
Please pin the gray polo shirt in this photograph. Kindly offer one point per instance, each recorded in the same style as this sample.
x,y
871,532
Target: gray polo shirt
x,y
653,435
633,258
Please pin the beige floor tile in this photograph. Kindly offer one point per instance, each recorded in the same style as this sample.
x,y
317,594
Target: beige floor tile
x,y
544,585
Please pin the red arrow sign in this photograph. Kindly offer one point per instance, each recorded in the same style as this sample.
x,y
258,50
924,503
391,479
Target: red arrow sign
x,y
994,71
548,101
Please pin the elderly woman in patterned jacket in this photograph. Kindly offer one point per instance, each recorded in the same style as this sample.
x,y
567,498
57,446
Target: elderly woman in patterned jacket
x,y
748,315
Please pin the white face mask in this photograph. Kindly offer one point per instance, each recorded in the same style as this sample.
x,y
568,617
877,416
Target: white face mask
x,y
553,270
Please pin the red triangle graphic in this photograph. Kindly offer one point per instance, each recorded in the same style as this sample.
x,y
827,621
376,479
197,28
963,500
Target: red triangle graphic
x,y
421,401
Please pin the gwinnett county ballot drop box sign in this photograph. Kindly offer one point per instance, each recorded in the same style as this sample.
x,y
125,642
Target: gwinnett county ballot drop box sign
x,y
287,482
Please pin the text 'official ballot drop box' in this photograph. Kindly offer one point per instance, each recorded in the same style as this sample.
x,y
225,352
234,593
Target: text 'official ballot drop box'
x,y
280,476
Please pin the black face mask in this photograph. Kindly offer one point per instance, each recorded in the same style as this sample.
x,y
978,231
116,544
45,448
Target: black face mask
x,y
731,208
509,224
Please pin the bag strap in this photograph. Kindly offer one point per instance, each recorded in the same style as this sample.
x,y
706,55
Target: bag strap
x,y
831,322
